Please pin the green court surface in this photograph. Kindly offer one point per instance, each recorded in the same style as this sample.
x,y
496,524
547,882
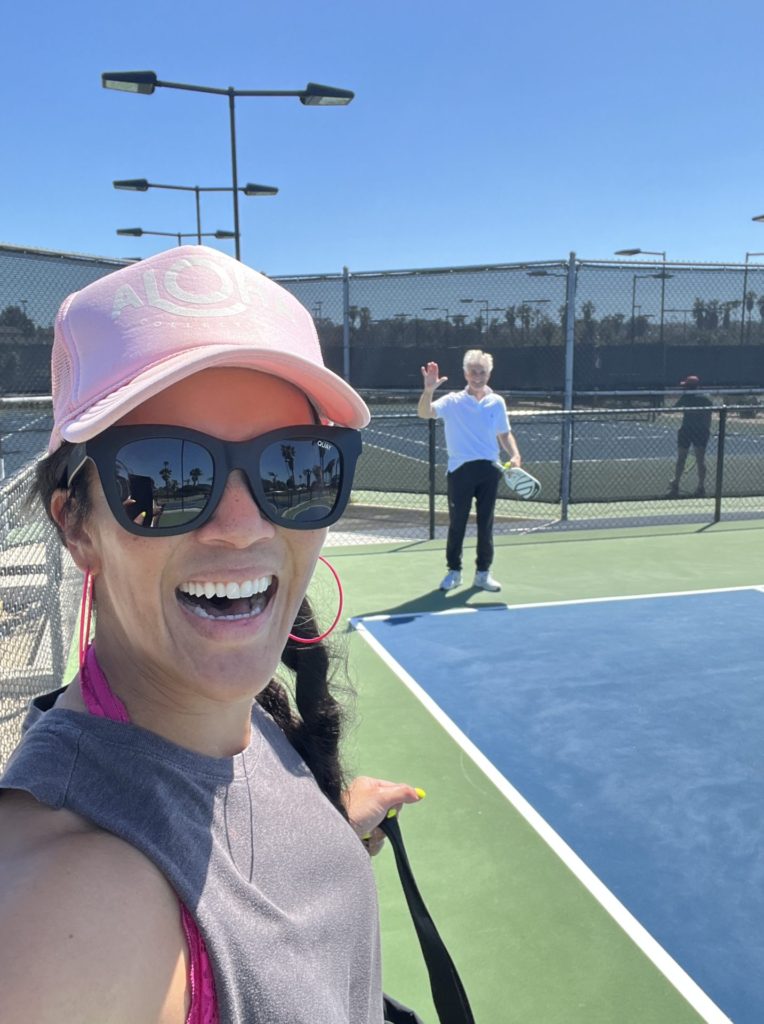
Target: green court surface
x,y
531,943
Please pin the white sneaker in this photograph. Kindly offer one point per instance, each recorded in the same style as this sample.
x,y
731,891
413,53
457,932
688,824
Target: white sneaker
x,y
453,578
485,581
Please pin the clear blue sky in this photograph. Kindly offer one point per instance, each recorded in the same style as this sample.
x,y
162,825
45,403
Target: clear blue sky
x,y
482,132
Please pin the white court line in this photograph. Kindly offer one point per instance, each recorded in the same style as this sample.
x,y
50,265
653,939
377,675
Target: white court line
x,y
651,948
555,604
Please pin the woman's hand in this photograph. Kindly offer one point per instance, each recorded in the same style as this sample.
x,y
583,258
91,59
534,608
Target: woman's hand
x,y
367,802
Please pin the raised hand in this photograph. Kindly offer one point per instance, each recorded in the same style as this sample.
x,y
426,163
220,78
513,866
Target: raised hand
x,y
431,376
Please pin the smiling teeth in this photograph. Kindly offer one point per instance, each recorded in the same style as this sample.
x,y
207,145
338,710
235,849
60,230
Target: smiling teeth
x,y
248,588
202,614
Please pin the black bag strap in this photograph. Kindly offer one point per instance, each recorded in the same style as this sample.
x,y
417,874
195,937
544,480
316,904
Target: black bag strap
x,y
448,993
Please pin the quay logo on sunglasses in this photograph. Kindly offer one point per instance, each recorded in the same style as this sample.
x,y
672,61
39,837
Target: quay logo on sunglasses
x,y
226,293
164,480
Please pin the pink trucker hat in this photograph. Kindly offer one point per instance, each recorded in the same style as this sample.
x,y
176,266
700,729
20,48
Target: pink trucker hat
x,y
134,332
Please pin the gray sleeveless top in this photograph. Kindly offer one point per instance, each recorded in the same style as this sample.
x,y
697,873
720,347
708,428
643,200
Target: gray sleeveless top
x,y
277,881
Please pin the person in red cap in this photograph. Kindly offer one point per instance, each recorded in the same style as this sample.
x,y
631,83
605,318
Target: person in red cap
x,y
694,432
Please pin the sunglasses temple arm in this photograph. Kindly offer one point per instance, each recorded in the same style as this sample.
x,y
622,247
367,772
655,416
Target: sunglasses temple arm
x,y
77,459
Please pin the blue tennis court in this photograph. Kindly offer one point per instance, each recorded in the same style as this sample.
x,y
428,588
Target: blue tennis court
x,y
633,727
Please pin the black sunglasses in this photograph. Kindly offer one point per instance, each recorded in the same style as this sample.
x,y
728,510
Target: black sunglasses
x,y
164,481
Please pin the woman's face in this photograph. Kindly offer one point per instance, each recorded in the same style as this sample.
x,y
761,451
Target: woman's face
x,y
148,623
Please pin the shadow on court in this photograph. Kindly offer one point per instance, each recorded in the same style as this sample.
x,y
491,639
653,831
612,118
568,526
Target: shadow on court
x,y
439,601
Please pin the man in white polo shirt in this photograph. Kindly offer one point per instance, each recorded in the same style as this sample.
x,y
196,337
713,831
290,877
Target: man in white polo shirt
x,y
476,423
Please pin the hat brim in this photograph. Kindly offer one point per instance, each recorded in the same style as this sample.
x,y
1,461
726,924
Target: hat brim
x,y
334,399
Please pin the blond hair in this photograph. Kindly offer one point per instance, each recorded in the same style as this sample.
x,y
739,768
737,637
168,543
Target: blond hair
x,y
476,355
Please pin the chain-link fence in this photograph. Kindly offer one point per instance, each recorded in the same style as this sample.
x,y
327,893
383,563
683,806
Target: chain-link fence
x,y
596,467
563,328
33,284
38,606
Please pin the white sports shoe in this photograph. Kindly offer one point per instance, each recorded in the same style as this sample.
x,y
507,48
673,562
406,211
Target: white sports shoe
x,y
453,578
485,581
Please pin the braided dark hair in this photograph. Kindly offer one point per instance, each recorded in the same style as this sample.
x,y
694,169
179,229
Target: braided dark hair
x,y
314,722
313,719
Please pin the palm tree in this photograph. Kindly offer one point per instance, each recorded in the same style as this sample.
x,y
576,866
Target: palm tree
x,y
712,314
166,474
587,314
287,451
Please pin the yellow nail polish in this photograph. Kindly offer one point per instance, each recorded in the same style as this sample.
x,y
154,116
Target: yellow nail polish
x,y
420,793
392,813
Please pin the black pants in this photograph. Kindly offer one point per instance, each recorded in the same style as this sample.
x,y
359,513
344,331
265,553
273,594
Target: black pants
x,y
478,480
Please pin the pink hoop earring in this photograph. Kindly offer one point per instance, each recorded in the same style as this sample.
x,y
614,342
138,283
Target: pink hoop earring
x,y
86,615
317,639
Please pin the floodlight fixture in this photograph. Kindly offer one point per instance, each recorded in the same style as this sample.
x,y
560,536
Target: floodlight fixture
x,y
259,190
142,185
130,81
313,95
643,252
132,185
180,235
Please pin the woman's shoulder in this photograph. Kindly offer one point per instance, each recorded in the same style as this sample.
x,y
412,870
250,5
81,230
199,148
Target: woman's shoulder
x,y
87,921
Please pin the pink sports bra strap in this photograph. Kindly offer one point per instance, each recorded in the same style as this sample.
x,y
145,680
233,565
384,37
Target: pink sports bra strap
x,y
96,692
101,701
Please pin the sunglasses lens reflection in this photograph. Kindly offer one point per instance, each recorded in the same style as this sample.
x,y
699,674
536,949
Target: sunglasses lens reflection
x,y
163,483
167,482
301,479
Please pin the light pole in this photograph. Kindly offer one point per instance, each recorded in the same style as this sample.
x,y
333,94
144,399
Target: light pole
x,y
485,303
634,279
142,185
745,289
685,313
145,82
496,309
664,277
538,303
437,309
180,235
551,273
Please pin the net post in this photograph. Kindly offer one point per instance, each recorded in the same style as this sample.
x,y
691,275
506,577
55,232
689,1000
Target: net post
x,y
431,472
567,404
720,464
346,324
